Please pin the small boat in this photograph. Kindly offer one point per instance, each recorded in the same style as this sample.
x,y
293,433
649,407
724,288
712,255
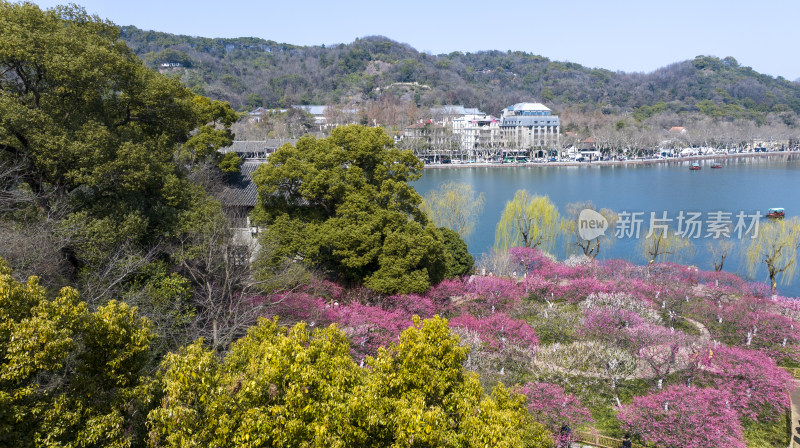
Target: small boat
x,y
694,166
716,165
776,213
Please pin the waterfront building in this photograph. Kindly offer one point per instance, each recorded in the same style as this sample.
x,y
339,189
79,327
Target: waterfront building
x,y
433,142
529,126
478,135
445,115
460,134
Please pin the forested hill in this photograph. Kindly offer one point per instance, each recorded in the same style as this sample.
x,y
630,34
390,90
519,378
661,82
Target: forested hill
x,y
251,72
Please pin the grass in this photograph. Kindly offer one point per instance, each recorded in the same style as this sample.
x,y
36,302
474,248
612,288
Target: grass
x,y
604,412
768,434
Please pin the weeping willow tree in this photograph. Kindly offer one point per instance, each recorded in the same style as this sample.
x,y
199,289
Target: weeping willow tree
x,y
664,244
720,249
576,243
775,245
528,221
455,206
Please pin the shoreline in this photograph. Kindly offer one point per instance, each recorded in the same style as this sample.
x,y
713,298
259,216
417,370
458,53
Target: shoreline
x,y
609,162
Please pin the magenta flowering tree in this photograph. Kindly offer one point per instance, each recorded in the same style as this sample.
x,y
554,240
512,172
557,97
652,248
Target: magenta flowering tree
x,y
412,304
552,406
294,307
759,386
501,348
536,285
369,327
638,288
751,322
561,271
616,268
530,259
498,330
758,289
667,273
447,289
487,295
662,350
721,279
578,289
684,417
607,324
494,289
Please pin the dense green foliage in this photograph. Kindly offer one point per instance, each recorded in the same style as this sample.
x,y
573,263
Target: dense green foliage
x,y
458,260
279,388
235,70
104,164
72,377
69,376
83,115
91,133
343,203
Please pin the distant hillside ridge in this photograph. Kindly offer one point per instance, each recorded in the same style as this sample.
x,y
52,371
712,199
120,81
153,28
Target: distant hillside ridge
x,y
251,72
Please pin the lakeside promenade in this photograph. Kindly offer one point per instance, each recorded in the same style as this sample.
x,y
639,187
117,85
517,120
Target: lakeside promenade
x,y
643,161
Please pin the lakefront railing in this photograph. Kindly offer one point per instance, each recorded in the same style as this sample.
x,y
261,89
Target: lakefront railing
x,y
592,438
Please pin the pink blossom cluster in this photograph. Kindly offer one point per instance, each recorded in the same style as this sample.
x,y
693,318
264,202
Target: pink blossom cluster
x,y
531,259
753,378
578,289
684,417
413,304
495,291
551,405
749,321
722,279
369,327
605,323
293,307
498,330
637,309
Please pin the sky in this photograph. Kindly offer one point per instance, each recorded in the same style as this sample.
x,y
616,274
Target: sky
x,y
624,35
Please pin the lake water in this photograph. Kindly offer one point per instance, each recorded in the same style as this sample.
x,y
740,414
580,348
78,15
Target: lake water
x,y
748,184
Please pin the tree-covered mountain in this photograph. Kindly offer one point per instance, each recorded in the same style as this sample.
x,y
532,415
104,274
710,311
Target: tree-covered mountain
x,y
252,72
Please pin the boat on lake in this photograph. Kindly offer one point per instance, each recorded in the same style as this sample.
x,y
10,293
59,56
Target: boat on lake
x,y
776,213
716,165
694,166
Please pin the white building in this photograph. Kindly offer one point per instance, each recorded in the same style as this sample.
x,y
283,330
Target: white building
x,y
449,112
528,126
317,111
477,132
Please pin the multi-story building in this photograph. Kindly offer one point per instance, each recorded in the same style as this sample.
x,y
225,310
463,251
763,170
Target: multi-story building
x,y
479,135
449,112
432,142
529,126
524,130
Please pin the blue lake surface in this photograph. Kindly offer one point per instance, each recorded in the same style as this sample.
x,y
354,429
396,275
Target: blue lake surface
x,y
749,184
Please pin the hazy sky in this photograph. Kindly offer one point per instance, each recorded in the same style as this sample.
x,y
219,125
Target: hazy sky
x,y
627,35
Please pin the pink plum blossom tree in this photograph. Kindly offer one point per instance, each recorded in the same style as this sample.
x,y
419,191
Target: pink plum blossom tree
x,y
684,417
552,406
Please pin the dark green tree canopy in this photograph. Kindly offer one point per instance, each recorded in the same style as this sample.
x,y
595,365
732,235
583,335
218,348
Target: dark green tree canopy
x,y
92,131
343,203
458,260
77,106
